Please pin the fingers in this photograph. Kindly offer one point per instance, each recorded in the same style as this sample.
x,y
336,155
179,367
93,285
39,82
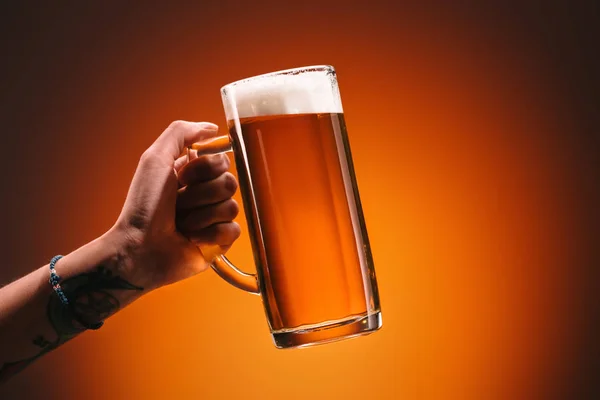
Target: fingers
x,y
180,134
222,234
212,224
203,217
203,169
205,210
204,193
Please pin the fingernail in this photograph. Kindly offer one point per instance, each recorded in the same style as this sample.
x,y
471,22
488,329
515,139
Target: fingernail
x,y
209,126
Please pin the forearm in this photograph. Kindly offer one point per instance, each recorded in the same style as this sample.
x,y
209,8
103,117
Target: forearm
x,y
173,206
33,321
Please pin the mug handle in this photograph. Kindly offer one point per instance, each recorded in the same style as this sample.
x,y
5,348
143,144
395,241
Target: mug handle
x,y
212,253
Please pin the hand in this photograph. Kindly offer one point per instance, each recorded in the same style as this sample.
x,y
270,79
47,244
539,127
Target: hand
x,y
174,206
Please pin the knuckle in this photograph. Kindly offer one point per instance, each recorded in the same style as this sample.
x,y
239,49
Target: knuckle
x,y
231,209
217,163
236,230
227,233
230,184
178,125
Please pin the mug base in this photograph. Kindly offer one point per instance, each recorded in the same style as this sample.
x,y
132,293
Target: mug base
x,y
327,332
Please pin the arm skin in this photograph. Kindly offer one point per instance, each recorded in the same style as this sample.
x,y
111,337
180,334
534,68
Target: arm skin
x,y
172,207
33,321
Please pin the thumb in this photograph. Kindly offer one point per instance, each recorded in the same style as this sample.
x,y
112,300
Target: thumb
x,y
181,134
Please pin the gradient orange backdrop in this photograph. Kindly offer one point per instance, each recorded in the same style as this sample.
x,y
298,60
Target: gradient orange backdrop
x,y
462,132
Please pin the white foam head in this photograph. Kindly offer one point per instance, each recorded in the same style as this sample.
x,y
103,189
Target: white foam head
x,y
283,93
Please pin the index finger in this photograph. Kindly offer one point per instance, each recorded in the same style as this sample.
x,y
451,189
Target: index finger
x,y
181,134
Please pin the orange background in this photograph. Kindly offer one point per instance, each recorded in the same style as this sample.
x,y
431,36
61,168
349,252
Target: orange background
x,y
476,157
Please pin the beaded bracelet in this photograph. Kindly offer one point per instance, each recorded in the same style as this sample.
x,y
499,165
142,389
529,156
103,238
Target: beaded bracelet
x,y
54,281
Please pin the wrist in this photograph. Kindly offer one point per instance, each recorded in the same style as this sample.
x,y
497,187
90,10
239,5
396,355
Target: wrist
x,y
97,280
128,259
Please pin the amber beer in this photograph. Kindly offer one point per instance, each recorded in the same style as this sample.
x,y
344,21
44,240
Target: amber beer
x,y
314,265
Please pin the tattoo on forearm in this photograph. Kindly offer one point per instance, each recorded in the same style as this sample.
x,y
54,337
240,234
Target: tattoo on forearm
x,y
91,301
90,298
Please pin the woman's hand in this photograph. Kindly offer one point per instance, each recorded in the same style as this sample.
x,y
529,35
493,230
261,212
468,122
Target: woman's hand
x,y
174,206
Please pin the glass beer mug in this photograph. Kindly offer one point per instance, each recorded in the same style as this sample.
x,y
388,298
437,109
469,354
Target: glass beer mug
x,y
314,267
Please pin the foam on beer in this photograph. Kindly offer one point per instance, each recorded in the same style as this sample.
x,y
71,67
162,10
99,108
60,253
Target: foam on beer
x,y
307,93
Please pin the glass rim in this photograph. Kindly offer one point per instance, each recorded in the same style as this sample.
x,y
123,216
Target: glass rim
x,y
289,71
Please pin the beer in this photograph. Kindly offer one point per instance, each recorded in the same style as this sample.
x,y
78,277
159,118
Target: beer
x,y
314,266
